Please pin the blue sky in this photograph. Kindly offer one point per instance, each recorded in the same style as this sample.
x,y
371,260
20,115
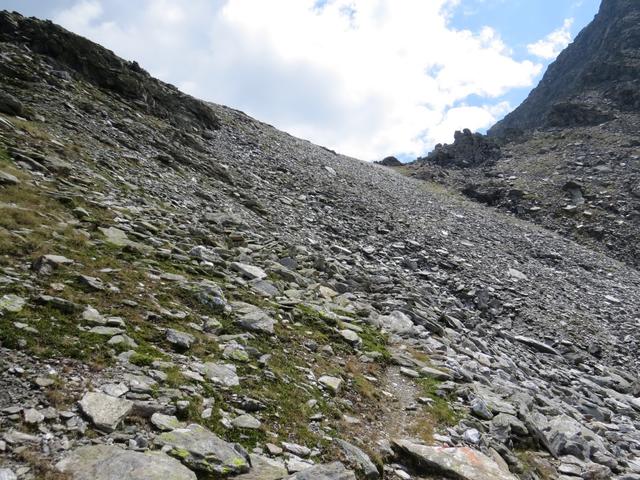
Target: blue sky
x,y
368,78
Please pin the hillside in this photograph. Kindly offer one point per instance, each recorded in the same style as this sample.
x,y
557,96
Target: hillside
x,y
186,292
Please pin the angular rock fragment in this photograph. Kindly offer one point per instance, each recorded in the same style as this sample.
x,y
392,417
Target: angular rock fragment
x,y
222,374
249,271
359,460
332,383
180,340
105,412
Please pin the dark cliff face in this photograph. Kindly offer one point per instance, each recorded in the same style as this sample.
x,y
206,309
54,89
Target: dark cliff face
x,y
592,79
101,67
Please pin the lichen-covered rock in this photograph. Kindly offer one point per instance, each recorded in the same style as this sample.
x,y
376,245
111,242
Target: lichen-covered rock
x,y
330,471
203,450
459,462
107,462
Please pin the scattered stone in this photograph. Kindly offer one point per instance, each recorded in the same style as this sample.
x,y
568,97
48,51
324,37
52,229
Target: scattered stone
x,y
12,303
536,345
246,421
249,271
332,383
105,411
180,340
358,459
32,416
8,179
222,374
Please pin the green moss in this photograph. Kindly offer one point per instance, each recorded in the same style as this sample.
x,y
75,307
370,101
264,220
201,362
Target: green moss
x,y
374,341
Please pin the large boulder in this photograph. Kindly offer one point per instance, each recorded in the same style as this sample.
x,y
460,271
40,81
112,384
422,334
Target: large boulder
x,y
107,462
462,463
202,450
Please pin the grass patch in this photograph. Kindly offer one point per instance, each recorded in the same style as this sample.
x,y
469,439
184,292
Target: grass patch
x,y
437,415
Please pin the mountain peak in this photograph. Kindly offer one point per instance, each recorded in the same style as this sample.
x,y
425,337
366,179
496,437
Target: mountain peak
x,y
592,80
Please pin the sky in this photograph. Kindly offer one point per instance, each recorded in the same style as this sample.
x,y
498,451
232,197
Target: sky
x,y
367,78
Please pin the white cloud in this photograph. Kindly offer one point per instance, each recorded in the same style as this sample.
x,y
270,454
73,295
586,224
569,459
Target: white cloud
x,y
550,46
368,78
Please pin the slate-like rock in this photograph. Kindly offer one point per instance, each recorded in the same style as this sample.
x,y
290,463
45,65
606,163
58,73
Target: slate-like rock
x,y
359,460
330,471
202,450
107,462
249,271
458,462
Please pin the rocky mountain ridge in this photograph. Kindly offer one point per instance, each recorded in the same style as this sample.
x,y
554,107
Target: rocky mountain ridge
x,y
592,80
204,296
568,158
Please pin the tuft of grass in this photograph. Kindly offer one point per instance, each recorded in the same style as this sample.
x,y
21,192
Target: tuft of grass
x,y
41,466
437,415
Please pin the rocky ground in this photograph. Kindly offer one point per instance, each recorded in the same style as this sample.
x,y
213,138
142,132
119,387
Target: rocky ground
x,y
189,293
582,182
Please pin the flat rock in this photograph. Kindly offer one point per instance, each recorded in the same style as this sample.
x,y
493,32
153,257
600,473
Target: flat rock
x,y
254,318
166,423
107,462
246,421
263,468
330,471
350,336
106,331
11,303
461,462
222,374
105,411
434,373
202,450
8,179
249,271
46,264
536,345
396,322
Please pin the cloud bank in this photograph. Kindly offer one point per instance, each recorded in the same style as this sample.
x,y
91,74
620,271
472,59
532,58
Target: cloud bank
x,y
550,46
368,78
